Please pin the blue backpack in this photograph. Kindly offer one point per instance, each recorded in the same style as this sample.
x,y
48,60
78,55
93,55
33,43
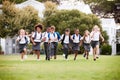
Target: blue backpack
x,y
58,35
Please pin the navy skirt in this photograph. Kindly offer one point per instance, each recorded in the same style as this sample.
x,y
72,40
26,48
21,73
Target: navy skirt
x,y
22,47
76,47
86,47
37,46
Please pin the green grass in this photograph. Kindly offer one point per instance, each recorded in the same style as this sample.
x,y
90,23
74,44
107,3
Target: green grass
x,y
105,68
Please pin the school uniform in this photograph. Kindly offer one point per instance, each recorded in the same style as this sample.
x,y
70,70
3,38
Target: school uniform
x,y
95,39
86,43
53,43
23,41
66,44
37,37
76,42
46,45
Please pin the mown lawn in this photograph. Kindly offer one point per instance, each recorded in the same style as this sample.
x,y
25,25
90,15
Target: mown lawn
x,y
105,68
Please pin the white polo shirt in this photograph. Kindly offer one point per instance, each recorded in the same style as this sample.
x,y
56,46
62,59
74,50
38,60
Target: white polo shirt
x,y
76,38
22,39
53,37
45,35
38,36
87,39
66,39
95,36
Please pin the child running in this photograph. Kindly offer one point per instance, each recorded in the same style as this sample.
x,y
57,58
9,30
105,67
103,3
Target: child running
x,y
36,39
23,41
96,35
76,42
86,43
65,41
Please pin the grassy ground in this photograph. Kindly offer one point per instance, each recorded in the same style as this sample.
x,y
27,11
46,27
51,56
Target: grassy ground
x,y
105,68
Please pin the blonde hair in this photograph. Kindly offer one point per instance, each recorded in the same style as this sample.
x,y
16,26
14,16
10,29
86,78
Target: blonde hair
x,y
53,27
21,30
86,31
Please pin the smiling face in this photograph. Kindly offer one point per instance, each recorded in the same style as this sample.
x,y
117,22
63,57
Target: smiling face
x,y
77,31
38,29
22,32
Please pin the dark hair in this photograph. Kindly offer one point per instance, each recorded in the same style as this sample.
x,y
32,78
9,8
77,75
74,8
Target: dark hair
x,y
38,25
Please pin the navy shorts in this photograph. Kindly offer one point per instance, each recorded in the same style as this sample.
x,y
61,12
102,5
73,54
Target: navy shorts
x,y
94,43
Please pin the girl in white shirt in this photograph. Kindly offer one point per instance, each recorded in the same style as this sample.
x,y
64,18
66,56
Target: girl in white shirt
x,y
95,35
23,41
36,39
76,42
86,43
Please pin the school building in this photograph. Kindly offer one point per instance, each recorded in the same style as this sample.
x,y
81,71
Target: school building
x,y
9,45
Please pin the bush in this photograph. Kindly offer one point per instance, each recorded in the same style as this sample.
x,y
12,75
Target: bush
x,y
59,50
106,49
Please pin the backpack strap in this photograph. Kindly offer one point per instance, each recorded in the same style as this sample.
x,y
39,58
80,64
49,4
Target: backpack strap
x,y
26,40
74,36
63,39
36,35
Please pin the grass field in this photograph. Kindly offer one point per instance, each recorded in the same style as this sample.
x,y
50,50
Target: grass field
x,y
105,68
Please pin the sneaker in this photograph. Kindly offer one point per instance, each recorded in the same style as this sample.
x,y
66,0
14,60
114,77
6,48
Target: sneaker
x,y
97,57
38,59
84,55
63,55
94,59
25,56
87,58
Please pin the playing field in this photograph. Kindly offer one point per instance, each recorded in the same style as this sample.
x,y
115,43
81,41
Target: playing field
x,y
105,68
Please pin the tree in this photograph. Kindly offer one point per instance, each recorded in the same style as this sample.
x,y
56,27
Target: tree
x,y
12,19
51,8
71,19
105,8
7,19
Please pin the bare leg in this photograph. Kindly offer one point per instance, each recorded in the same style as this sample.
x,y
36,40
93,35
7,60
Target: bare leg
x,y
38,54
22,55
94,54
87,54
76,53
97,51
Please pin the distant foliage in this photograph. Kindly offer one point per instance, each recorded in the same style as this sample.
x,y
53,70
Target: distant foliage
x,y
72,19
106,49
12,19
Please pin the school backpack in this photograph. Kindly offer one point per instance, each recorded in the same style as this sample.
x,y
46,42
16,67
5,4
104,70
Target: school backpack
x,y
78,35
58,35
36,36
26,40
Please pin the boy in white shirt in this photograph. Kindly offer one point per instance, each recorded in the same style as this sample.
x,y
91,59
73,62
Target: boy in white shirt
x,y
65,41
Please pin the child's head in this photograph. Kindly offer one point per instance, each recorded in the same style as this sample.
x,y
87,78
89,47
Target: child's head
x,y
22,32
38,27
67,31
48,29
76,31
52,28
86,32
95,28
